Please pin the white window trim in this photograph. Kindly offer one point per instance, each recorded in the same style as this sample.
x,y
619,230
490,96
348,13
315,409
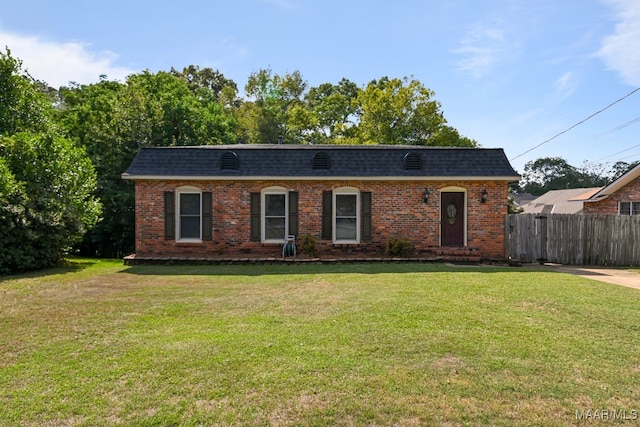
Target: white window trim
x,y
263,219
350,191
632,211
179,192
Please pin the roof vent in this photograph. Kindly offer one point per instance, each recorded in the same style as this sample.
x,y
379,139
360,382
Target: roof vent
x,y
320,161
229,161
412,161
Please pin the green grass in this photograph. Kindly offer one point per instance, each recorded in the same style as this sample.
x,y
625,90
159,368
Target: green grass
x,y
98,343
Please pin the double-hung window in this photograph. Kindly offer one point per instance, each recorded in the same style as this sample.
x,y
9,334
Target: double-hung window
x,y
275,215
346,219
189,225
629,208
346,215
188,215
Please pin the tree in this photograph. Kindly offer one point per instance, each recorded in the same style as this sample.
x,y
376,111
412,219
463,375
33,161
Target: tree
x,y
394,111
210,85
620,168
114,120
446,136
184,118
334,110
554,173
46,189
46,181
23,107
276,109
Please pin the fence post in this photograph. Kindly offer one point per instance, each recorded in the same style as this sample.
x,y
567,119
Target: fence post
x,y
542,224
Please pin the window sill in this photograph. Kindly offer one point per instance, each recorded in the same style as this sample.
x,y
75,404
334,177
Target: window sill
x,y
188,242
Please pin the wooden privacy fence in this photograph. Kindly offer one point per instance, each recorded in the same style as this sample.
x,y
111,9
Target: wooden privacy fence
x,y
573,239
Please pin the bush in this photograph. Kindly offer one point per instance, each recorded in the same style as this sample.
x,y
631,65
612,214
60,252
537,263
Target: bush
x,y
46,198
399,247
308,244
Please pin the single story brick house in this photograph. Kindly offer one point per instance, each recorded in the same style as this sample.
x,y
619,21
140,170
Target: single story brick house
x,y
205,201
621,197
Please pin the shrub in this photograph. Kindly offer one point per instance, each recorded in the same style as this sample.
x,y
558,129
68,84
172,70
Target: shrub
x,y
46,198
399,246
308,244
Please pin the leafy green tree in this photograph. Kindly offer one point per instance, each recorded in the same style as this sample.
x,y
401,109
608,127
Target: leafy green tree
x,y
209,84
46,181
620,168
276,108
395,111
111,122
23,107
114,120
86,113
334,110
446,136
46,189
555,173
186,119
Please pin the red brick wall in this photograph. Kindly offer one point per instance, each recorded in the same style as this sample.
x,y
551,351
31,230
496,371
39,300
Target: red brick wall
x,y
609,206
398,210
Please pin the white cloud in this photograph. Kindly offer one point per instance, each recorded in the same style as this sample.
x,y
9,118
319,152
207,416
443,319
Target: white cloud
x,y
481,49
620,50
565,84
60,63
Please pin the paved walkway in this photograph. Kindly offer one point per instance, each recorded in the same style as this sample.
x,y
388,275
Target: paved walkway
x,y
616,276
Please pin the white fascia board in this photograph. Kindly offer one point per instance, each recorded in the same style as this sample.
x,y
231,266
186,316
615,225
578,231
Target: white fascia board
x,y
615,185
318,178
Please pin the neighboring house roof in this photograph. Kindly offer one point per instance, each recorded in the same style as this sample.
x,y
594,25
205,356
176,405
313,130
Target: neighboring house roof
x,y
254,161
559,201
586,195
616,185
521,199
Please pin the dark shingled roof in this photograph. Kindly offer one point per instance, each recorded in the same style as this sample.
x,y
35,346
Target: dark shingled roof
x,y
361,161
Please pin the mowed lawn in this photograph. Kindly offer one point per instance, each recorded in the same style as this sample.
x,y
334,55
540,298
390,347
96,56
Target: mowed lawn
x,y
99,343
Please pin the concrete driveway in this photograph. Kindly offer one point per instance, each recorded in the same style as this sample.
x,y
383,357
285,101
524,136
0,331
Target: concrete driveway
x,y
616,276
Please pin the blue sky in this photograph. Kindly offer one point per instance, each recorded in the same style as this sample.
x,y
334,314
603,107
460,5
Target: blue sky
x,y
507,73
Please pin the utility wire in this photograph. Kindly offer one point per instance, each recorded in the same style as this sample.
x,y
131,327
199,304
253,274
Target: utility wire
x,y
622,126
619,152
577,124
630,156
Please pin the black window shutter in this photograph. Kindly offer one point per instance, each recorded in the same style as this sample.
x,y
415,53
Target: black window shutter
x,y
327,215
169,215
365,220
207,220
255,217
293,213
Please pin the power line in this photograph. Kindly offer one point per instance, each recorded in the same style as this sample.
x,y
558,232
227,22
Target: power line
x,y
619,152
630,156
577,124
622,126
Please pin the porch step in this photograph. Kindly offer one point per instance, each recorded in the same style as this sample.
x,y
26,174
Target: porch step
x,y
469,255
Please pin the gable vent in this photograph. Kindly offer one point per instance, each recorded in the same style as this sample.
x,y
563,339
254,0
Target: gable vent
x,y
229,161
412,161
320,161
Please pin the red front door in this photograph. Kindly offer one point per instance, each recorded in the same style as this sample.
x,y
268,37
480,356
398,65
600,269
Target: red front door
x,y
452,219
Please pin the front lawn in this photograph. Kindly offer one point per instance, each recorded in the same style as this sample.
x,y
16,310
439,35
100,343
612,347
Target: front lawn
x,y
98,343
